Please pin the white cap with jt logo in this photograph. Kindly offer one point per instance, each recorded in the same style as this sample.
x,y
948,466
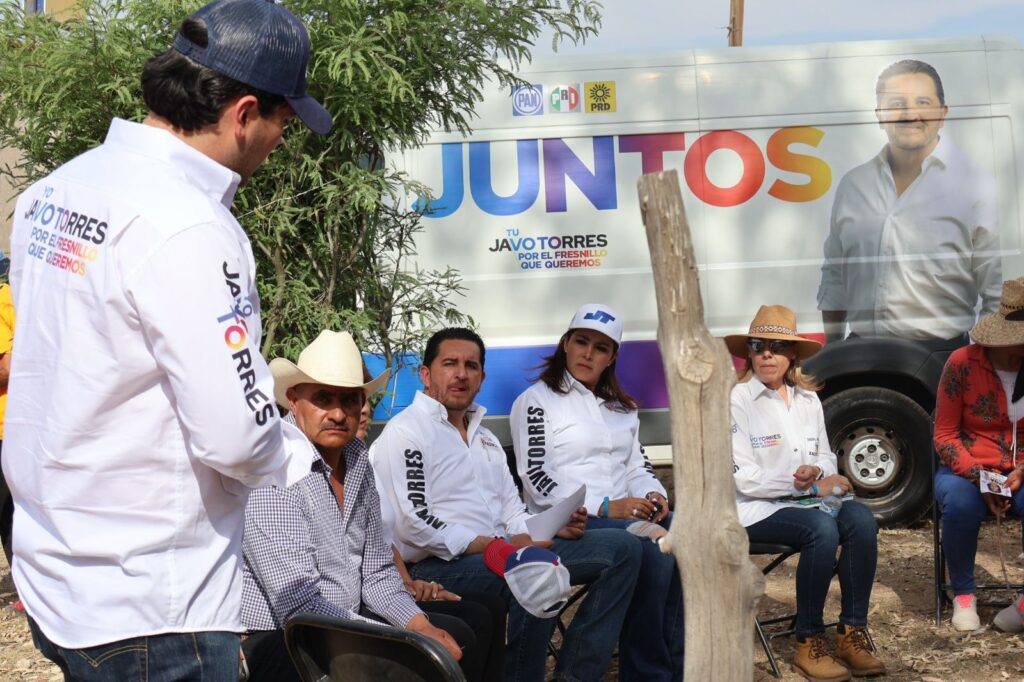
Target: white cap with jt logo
x,y
598,317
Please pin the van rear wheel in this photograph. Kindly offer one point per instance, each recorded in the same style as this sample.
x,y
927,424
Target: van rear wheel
x,y
882,440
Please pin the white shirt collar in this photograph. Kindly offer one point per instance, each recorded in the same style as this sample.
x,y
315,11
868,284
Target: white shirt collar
x,y
211,178
945,152
757,389
439,412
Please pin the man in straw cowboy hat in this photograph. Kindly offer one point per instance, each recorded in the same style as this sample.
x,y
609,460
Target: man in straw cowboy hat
x,y
977,415
782,466
317,546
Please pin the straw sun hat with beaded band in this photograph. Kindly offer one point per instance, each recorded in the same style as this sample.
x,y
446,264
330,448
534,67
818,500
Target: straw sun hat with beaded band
x,y
1006,326
773,322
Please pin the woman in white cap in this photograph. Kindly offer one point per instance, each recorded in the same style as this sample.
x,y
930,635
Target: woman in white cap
x,y
976,429
577,425
782,465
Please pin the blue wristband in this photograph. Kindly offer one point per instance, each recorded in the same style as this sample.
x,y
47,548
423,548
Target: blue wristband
x,y
814,489
603,511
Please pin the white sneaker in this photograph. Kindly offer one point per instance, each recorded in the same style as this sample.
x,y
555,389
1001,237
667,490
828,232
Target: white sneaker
x,y
1011,619
965,613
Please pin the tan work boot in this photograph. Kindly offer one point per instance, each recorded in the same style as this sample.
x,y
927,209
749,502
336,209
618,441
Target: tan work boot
x,y
815,659
854,648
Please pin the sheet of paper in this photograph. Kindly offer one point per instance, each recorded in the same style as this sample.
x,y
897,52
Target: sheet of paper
x,y
994,483
544,525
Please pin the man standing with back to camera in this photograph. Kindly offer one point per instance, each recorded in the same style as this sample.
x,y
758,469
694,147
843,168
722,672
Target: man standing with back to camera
x,y
144,410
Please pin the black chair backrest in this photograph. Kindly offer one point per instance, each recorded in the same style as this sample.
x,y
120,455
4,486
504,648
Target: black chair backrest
x,y
325,648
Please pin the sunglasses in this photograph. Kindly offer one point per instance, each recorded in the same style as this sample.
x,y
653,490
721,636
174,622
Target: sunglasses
x,y
776,347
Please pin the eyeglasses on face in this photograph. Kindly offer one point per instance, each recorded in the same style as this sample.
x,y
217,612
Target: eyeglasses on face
x,y
776,347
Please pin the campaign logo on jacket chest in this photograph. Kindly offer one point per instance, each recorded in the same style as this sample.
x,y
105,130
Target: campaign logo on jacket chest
x,y
769,441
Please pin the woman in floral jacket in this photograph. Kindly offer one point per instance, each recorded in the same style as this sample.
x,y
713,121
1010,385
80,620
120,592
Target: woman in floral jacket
x,y
976,429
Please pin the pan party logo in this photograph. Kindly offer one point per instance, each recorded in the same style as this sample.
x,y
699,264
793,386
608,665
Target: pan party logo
x,y
600,96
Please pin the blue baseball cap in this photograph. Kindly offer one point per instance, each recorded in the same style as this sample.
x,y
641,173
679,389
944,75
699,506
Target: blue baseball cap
x,y
263,45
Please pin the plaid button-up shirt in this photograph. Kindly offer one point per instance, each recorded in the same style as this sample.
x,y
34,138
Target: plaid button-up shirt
x,y
302,553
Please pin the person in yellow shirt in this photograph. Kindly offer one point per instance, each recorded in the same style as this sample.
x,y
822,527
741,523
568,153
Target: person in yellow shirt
x,y
6,341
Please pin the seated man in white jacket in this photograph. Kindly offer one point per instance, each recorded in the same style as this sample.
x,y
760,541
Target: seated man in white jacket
x,y
447,480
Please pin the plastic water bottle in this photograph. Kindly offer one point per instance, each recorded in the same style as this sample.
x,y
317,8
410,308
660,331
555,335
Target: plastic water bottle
x,y
830,504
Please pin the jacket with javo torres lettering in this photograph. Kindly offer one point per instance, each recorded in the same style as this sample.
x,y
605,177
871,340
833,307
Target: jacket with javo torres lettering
x,y
143,410
444,493
563,440
771,439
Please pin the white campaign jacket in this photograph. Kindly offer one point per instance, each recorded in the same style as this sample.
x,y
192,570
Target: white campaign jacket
x,y
769,442
443,493
140,409
565,440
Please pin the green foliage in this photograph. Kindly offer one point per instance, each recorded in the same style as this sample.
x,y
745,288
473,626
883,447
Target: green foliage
x,y
333,242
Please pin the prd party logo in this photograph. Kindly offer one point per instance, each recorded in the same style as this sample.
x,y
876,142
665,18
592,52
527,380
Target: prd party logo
x,y
565,99
528,100
600,96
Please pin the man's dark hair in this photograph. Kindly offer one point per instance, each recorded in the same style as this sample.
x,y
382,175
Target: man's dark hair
x,y
190,95
906,66
451,334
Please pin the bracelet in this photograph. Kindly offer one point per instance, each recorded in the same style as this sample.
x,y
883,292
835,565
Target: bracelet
x,y
603,509
814,489
508,539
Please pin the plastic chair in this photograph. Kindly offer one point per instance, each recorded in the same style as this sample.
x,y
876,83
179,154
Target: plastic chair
x,y
324,648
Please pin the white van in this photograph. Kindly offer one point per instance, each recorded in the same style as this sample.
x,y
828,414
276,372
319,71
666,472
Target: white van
x,y
538,210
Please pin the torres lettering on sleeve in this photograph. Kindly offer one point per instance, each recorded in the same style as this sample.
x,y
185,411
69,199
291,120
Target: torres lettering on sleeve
x,y
417,491
236,334
537,450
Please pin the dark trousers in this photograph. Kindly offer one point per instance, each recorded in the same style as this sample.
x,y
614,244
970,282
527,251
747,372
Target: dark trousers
x,y
817,535
962,513
174,657
651,643
485,614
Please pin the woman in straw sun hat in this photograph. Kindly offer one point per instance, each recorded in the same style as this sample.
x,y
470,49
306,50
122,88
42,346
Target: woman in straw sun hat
x,y
976,428
781,465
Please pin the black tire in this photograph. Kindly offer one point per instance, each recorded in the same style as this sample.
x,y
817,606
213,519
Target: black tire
x,y
883,442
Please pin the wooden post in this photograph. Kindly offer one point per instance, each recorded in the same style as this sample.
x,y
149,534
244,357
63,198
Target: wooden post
x,y
720,584
735,23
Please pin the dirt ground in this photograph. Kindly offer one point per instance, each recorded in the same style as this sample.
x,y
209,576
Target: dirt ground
x,y
902,619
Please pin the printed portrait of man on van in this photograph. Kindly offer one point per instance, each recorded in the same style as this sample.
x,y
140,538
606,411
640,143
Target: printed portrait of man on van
x,y
913,244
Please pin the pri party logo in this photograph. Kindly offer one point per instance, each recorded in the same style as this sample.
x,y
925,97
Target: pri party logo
x,y
565,98
528,100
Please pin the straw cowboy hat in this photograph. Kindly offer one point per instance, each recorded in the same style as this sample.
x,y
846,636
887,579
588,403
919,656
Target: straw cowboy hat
x,y
1005,327
332,359
775,322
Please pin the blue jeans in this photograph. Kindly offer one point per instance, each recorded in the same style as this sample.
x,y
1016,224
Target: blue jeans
x,y
175,657
817,535
656,609
607,560
962,511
